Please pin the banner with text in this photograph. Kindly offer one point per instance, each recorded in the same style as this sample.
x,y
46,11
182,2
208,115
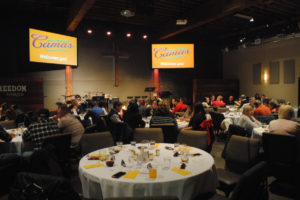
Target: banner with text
x,y
172,56
46,47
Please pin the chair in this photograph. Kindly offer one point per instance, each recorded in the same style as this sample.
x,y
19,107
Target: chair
x,y
251,186
155,134
8,124
193,138
241,154
145,198
281,155
217,120
94,141
266,119
170,132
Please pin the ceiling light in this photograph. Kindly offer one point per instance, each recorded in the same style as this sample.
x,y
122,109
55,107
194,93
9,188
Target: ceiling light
x,y
251,19
89,31
267,25
128,35
108,33
242,39
226,49
145,36
127,13
181,21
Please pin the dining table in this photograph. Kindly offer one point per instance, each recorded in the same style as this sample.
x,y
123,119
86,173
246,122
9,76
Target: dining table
x,y
180,171
16,145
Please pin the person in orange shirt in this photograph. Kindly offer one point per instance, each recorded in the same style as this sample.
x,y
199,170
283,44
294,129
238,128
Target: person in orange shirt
x,y
219,102
179,105
261,109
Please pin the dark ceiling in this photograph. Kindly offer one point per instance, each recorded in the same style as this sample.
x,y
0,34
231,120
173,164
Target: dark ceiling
x,y
211,20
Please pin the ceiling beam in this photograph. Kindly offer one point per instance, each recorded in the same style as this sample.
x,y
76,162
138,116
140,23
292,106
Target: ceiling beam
x,y
77,13
212,14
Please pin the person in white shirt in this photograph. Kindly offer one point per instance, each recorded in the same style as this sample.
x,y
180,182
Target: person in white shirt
x,y
247,120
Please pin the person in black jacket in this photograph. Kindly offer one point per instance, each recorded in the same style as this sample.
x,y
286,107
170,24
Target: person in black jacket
x,y
132,116
197,118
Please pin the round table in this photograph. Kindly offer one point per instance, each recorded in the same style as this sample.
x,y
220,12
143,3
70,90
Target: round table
x,y
258,132
180,124
16,144
98,182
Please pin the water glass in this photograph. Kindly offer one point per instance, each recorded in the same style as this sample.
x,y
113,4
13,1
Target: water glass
x,y
152,173
152,144
133,143
167,163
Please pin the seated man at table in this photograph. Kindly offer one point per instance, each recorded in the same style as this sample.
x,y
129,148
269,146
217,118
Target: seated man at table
x,y
95,112
37,131
284,125
261,109
179,105
230,101
219,102
68,123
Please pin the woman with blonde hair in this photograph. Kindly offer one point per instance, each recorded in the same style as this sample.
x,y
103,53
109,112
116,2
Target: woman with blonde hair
x,y
247,120
284,125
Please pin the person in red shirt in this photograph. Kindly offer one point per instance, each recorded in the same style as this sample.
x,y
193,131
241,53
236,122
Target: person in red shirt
x,y
219,102
179,106
261,109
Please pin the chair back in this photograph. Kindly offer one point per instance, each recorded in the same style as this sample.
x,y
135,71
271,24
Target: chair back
x,y
217,119
170,132
266,119
222,109
8,124
238,130
193,138
155,134
252,185
145,198
101,124
241,153
95,141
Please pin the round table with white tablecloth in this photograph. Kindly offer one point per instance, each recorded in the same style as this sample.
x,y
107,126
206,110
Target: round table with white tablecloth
x,y
16,144
98,182
181,124
258,132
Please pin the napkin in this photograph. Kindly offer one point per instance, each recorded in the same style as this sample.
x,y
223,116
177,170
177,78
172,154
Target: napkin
x,y
132,174
187,148
93,166
181,171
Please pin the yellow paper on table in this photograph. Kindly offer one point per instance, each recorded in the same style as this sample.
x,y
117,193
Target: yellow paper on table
x,y
93,166
124,147
132,174
187,148
181,171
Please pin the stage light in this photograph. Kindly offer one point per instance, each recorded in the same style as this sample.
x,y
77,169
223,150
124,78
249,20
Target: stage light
x,y
89,31
252,19
128,35
145,36
108,33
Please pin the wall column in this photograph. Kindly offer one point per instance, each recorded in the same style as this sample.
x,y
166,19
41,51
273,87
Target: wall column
x,y
69,83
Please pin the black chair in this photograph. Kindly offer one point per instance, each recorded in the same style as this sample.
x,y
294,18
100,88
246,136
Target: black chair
x,y
241,154
59,145
217,120
252,185
170,132
145,198
266,119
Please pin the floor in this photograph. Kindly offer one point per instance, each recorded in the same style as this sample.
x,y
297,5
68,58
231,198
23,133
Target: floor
x,y
219,161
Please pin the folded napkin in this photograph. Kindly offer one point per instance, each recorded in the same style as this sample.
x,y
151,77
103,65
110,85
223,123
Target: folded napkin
x,y
181,171
93,166
132,174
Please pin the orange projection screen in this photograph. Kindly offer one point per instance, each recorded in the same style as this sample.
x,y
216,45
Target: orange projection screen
x,y
46,47
166,56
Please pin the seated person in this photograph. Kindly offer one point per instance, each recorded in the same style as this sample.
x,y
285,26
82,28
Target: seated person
x,y
188,113
132,116
219,102
197,118
206,102
230,101
68,123
261,109
251,103
163,114
284,125
212,99
274,106
43,127
242,100
95,112
142,108
154,107
179,105
247,120
257,97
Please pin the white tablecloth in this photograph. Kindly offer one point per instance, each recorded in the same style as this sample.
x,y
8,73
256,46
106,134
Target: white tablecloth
x,y
16,144
98,183
258,132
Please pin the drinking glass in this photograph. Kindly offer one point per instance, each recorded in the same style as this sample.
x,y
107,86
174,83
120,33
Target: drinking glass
x,y
150,154
152,144
133,143
152,173
184,158
157,152
119,144
167,162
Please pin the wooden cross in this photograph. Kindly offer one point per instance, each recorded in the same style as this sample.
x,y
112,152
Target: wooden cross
x,y
116,55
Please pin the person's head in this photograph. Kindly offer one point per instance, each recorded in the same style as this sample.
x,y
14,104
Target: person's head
x,y
133,107
256,95
286,112
163,107
154,104
273,103
74,104
101,104
231,98
142,102
198,108
118,106
175,101
243,96
207,100
247,110
62,110
266,102
43,114
263,96
257,103
251,101
189,106
212,97
220,98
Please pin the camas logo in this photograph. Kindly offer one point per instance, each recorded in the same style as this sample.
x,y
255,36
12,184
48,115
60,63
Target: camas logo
x,y
164,52
42,41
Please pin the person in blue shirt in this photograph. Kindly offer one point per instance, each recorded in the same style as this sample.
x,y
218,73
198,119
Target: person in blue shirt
x,y
95,112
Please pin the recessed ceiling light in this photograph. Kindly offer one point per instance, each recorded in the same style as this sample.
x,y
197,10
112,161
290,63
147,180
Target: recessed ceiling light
x,y
145,36
128,35
108,33
181,21
252,19
127,13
